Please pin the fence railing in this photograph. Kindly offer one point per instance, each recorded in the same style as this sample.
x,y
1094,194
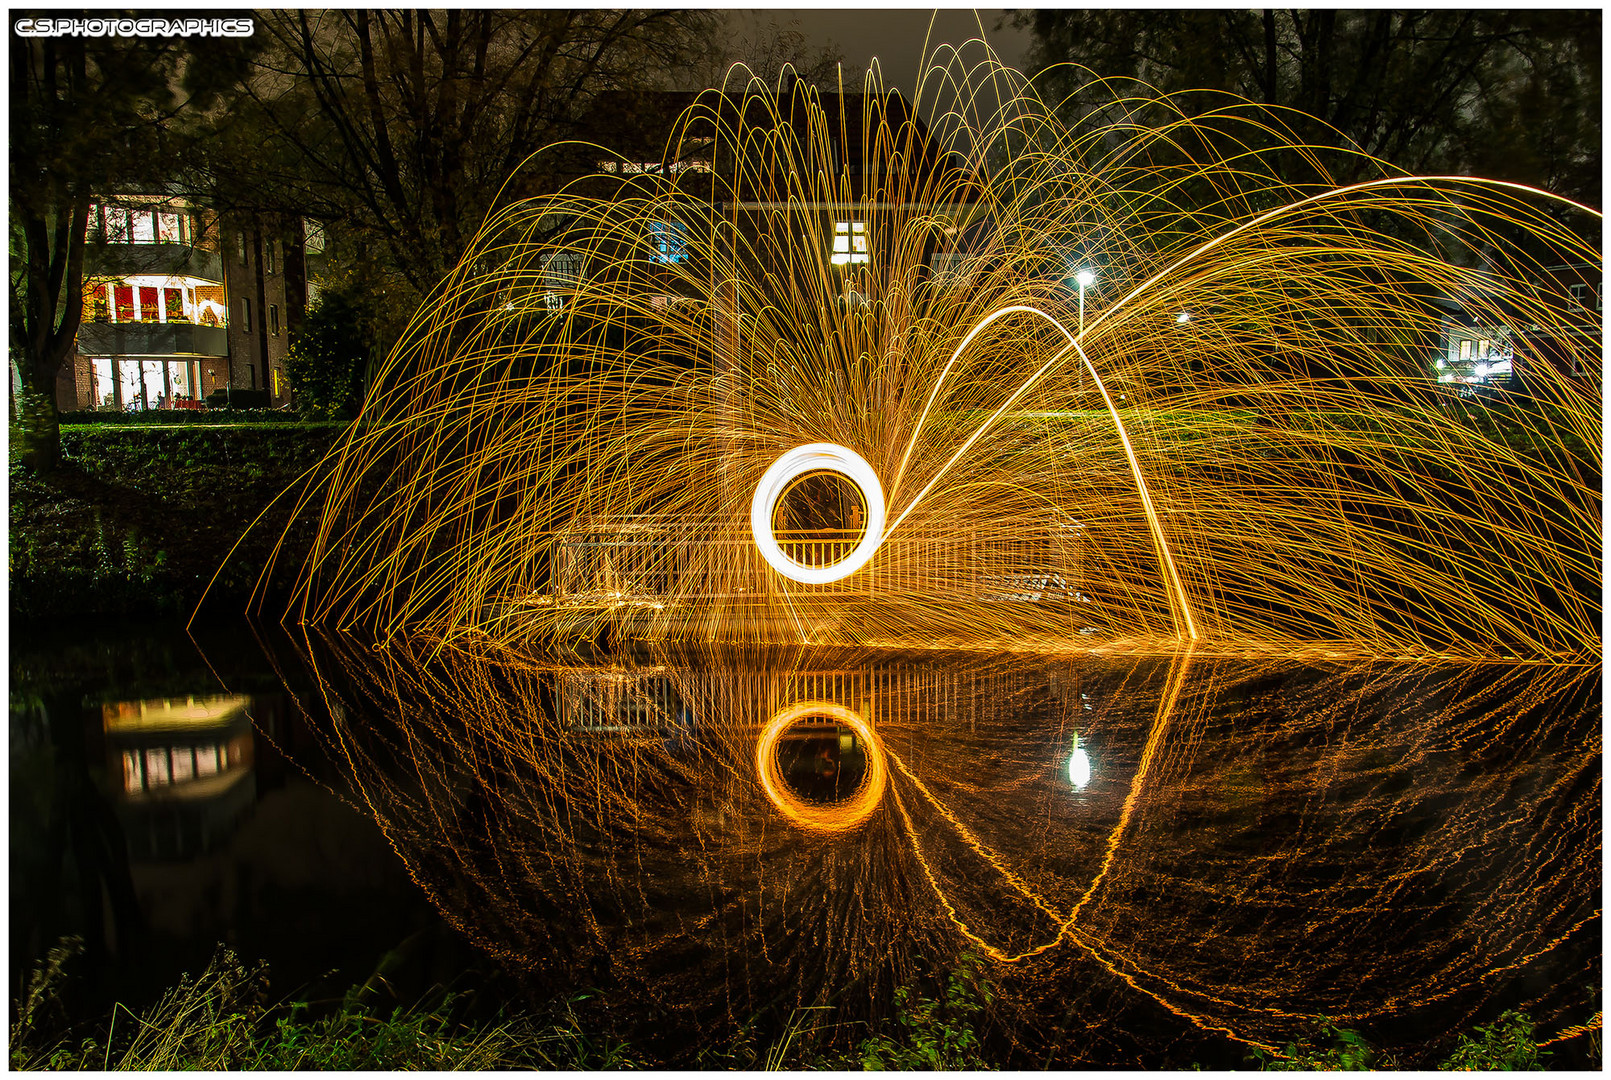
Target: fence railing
x,y
654,559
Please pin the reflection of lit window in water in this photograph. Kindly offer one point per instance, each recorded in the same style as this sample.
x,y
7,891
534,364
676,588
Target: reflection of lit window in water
x,y
178,744
161,766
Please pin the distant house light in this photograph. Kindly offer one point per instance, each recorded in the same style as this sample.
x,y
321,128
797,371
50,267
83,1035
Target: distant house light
x,y
849,243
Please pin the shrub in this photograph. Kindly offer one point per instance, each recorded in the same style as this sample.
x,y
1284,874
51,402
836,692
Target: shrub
x,y
1506,1044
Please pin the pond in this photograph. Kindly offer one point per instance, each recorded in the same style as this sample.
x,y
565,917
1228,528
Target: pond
x,y
1156,860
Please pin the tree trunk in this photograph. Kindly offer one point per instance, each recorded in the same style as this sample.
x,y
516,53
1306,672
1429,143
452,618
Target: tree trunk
x,y
44,332
36,431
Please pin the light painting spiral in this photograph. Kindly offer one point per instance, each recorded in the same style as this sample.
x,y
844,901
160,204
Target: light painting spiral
x,y
799,462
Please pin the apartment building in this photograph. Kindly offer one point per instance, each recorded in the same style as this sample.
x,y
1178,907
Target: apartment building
x,y
180,302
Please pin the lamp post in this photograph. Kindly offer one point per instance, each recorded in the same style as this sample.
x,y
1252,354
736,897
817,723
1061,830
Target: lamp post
x,y
1084,278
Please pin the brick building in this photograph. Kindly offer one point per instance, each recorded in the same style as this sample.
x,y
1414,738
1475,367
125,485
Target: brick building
x,y
180,302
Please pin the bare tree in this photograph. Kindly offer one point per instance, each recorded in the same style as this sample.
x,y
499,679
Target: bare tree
x,y
768,48
1513,94
91,118
403,128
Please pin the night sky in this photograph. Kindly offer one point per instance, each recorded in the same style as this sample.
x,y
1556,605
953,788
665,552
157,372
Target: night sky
x,y
893,35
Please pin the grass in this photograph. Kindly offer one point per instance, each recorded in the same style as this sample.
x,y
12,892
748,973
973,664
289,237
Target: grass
x,y
223,1019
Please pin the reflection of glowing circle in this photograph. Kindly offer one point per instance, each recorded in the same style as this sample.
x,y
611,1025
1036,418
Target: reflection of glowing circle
x,y
1079,769
817,457
847,815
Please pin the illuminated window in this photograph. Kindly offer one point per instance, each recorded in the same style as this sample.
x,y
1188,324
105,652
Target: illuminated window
x,y
170,228
849,243
670,240
1465,349
312,239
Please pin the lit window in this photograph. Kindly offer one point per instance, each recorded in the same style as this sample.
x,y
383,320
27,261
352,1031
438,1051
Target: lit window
x,y
1465,349
608,166
670,240
312,238
170,228
144,227
849,242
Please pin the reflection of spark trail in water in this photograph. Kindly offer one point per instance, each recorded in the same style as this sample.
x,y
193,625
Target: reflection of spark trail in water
x,y
547,457
1068,928
656,842
835,818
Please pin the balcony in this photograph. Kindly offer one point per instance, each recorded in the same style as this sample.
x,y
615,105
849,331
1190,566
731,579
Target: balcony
x,y
152,339
121,260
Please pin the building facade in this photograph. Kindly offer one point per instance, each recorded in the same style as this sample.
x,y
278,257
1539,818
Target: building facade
x,y
181,302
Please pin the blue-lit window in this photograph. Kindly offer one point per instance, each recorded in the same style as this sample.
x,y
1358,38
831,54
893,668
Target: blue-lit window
x,y
670,240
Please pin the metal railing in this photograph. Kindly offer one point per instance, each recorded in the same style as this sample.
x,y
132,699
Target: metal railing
x,y
651,559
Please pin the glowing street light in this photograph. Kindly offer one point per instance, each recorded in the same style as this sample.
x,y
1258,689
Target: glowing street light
x,y
1085,278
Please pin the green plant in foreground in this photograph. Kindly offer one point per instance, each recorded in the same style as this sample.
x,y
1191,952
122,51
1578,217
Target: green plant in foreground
x,y
219,1020
934,1034
1348,1052
1507,1044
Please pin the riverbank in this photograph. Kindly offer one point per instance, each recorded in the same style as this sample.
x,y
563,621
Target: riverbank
x,y
139,518
223,1019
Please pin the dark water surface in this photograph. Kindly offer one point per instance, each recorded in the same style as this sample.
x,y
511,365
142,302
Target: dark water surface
x,y
1159,858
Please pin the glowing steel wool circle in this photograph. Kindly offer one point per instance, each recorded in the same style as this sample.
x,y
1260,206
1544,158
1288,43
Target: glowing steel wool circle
x,y
817,457
807,816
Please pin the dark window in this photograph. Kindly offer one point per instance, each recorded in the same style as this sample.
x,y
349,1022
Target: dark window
x,y
246,315
243,247
274,319
268,257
